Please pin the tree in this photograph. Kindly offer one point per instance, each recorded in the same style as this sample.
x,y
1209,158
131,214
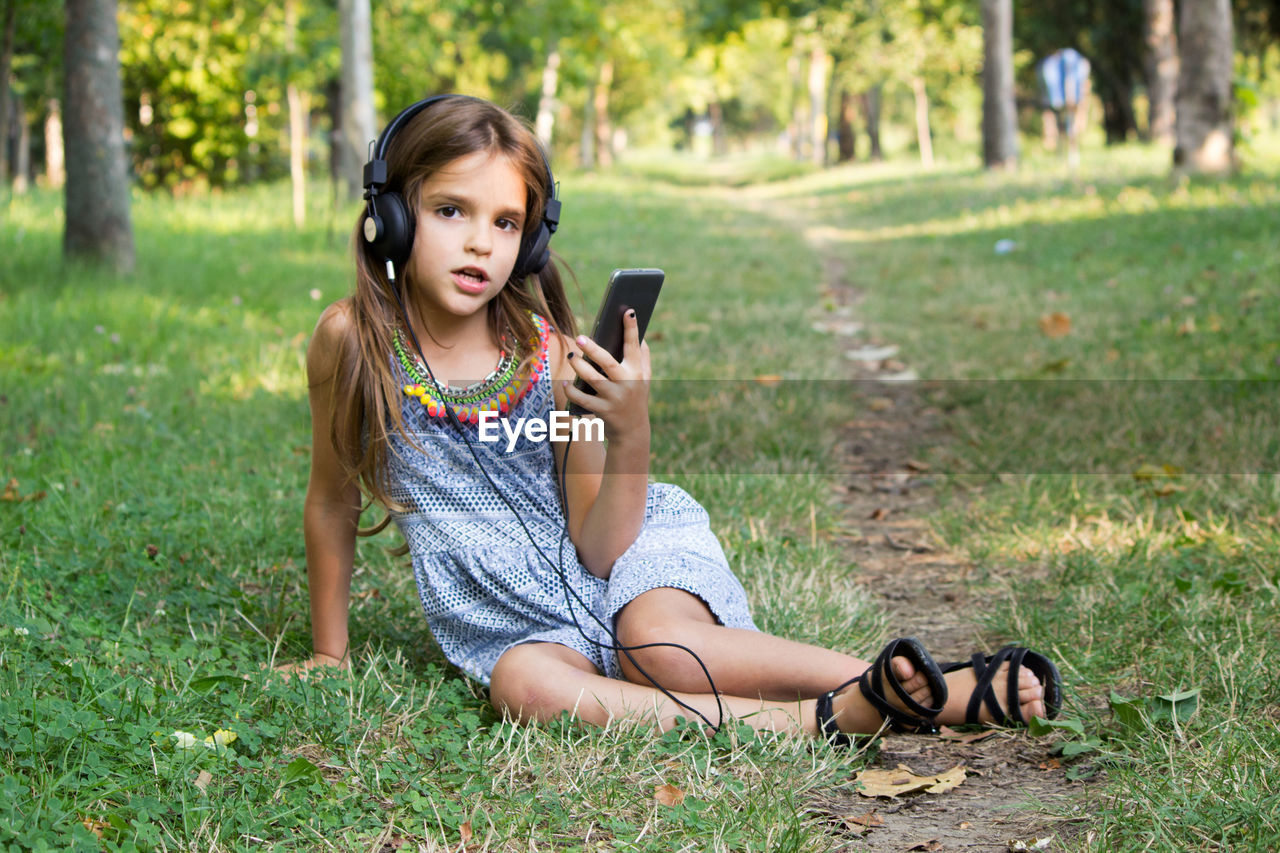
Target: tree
x,y
1161,67
999,118
357,127
32,33
10,14
1204,126
98,222
190,98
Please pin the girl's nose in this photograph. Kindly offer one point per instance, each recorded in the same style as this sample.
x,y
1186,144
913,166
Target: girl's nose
x,y
479,240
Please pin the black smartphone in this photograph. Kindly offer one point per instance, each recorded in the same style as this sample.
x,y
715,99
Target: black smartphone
x,y
628,289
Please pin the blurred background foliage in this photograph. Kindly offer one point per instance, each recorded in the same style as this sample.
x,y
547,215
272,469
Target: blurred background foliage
x,y
205,80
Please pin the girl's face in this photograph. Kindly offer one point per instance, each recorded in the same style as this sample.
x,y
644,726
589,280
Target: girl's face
x,y
470,216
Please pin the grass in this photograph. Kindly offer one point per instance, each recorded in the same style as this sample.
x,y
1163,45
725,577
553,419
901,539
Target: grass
x,y
1116,481
155,436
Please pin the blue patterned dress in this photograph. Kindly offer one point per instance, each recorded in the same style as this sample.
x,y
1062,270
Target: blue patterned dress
x,y
488,581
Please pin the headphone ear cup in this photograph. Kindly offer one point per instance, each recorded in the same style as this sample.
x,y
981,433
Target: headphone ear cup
x,y
536,254
394,227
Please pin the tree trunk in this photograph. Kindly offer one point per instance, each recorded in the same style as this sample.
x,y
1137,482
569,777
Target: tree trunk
x,y
1203,125
795,130
871,111
1160,65
98,224
719,141
999,117
22,150
923,134
1115,90
297,122
845,140
298,152
6,63
546,121
358,122
587,141
55,164
818,62
604,131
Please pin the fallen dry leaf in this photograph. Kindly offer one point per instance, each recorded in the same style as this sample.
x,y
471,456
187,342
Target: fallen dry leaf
x,y
466,833
951,734
880,404
94,826
870,820
879,514
1147,471
11,494
202,781
769,380
668,795
917,466
1051,764
931,844
1055,325
894,783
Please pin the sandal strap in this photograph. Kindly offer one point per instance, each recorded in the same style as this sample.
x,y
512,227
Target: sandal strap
x,y
916,717
985,669
828,728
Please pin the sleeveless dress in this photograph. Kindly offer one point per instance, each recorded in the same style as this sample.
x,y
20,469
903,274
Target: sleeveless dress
x,y
490,578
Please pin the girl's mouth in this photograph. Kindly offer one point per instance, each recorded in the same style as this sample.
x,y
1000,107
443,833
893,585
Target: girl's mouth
x,y
470,279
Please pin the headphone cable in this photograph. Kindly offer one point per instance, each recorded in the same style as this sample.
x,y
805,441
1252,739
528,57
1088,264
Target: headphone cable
x,y
570,593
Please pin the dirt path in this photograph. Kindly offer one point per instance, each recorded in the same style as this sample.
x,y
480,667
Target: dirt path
x,y
928,593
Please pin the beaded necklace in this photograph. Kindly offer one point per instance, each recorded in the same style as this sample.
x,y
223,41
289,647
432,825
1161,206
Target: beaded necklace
x,y
500,391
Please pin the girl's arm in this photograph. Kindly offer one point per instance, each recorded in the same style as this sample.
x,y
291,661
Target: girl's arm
x,y
332,509
605,487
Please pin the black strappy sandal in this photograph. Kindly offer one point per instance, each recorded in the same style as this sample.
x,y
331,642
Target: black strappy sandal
x,y
916,718
984,692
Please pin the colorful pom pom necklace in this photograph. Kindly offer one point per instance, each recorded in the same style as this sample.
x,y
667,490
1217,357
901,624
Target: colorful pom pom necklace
x,y
500,391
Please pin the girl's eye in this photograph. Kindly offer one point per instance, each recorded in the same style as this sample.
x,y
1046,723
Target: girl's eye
x,y
508,225
448,211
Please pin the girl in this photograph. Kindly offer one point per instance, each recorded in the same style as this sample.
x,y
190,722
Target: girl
x,y
453,279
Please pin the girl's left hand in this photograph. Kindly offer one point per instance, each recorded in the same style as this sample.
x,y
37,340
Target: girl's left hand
x,y
622,387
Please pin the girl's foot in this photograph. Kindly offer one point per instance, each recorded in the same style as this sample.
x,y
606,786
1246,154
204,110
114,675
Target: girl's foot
x,y
962,682
1006,689
855,715
903,689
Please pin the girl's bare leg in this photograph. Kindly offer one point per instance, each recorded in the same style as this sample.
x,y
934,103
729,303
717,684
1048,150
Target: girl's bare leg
x,y
752,663
539,681
742,663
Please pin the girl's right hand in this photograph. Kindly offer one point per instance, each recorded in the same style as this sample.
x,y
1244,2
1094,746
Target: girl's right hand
x,y
303,668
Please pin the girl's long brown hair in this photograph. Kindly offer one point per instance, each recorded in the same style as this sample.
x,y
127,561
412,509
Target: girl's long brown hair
x,y
366,397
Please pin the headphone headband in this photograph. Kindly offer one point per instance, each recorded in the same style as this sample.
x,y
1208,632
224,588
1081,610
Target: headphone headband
x,y
391,233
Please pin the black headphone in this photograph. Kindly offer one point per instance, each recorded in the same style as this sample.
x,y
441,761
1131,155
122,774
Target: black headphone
x,y
389,225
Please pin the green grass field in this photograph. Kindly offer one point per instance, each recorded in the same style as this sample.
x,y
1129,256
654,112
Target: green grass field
x,y
155,446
